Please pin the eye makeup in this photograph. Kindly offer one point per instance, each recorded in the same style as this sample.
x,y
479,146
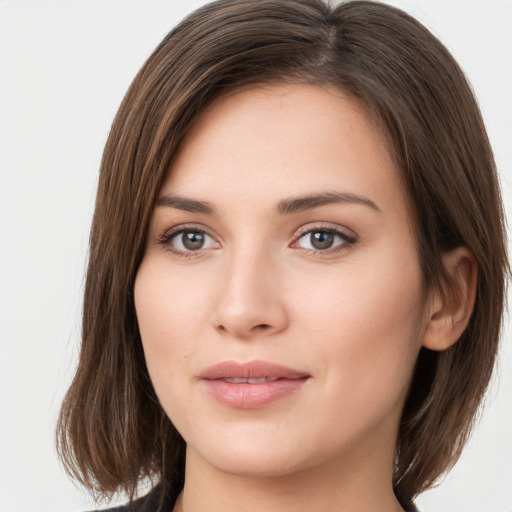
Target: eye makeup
x,y
192,240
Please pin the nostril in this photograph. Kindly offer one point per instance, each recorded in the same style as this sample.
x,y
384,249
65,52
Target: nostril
x,y
261,327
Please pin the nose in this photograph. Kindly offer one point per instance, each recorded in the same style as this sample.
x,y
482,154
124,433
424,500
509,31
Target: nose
x,y
250,301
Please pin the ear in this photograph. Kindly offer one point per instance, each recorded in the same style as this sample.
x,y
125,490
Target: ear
x,y
447,319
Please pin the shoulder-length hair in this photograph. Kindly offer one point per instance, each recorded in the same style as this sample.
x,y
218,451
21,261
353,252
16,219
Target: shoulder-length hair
x,y
112,431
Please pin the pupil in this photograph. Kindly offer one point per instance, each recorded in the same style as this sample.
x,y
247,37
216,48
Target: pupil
x,y
322,240
193,240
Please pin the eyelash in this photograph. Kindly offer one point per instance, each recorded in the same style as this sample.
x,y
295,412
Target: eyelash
x,y
166,237
347,240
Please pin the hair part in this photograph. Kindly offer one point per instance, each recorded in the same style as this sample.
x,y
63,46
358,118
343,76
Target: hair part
x,y
112,431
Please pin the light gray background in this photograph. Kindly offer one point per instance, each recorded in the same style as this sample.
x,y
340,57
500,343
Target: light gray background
x,y
64,68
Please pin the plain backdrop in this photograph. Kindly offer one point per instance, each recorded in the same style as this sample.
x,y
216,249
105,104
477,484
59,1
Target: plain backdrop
x,y
64,68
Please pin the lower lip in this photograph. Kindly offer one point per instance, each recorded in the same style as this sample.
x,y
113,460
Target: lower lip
x,y
252,396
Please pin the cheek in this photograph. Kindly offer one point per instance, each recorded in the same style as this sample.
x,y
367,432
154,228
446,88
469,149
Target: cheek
x,y
375,298
367,321
170,313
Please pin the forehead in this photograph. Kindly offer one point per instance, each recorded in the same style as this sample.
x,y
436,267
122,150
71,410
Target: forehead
x,y
259,144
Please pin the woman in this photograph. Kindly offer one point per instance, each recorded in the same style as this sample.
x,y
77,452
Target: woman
x,y
291,303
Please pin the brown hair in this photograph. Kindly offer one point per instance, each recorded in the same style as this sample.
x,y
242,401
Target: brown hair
x,y
112,430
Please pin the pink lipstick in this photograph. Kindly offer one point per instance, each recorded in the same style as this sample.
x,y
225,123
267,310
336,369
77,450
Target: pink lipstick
x,y
251,385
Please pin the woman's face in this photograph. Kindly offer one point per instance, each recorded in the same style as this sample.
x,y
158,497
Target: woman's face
x,y
280,298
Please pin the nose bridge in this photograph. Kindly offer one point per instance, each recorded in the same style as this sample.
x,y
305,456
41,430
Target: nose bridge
x,y
250,299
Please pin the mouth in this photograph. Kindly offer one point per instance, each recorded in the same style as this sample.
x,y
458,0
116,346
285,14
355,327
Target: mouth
x,y
251,385
235,380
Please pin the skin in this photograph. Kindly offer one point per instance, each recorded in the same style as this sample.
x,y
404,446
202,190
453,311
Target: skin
x,y
353,316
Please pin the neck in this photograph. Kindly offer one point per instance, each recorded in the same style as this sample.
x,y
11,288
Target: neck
x,y
329,488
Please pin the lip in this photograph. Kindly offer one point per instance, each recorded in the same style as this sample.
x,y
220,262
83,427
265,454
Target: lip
x,y
228,382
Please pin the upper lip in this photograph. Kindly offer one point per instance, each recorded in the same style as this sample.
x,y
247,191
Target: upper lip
x,y
251,370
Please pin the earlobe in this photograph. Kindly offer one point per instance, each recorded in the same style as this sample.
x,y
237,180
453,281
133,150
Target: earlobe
x,y
449,313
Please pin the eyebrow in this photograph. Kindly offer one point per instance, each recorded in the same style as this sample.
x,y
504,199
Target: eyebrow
x,y
284,207
302,203
186,204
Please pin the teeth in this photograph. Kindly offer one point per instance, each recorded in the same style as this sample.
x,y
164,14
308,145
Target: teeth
x,y
262,379
237,380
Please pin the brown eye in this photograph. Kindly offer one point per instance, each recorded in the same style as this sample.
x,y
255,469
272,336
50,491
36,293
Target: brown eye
x,y
191,240
321,239
324,239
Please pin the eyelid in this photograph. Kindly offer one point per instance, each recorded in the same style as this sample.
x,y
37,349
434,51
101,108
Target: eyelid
x,y
165,237
324,226
347,235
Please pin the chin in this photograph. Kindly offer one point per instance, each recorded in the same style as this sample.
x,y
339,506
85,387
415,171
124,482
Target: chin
x,y
251,456
267,466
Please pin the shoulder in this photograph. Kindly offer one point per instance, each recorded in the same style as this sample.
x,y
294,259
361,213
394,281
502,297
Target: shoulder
x,y
411,507
157,500
123,508
406,502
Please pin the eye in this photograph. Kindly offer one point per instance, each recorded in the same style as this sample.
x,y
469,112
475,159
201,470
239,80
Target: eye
x,y
187,240
323,239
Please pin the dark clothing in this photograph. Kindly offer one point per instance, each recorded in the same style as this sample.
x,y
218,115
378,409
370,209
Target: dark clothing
x,y
155,501
410,508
